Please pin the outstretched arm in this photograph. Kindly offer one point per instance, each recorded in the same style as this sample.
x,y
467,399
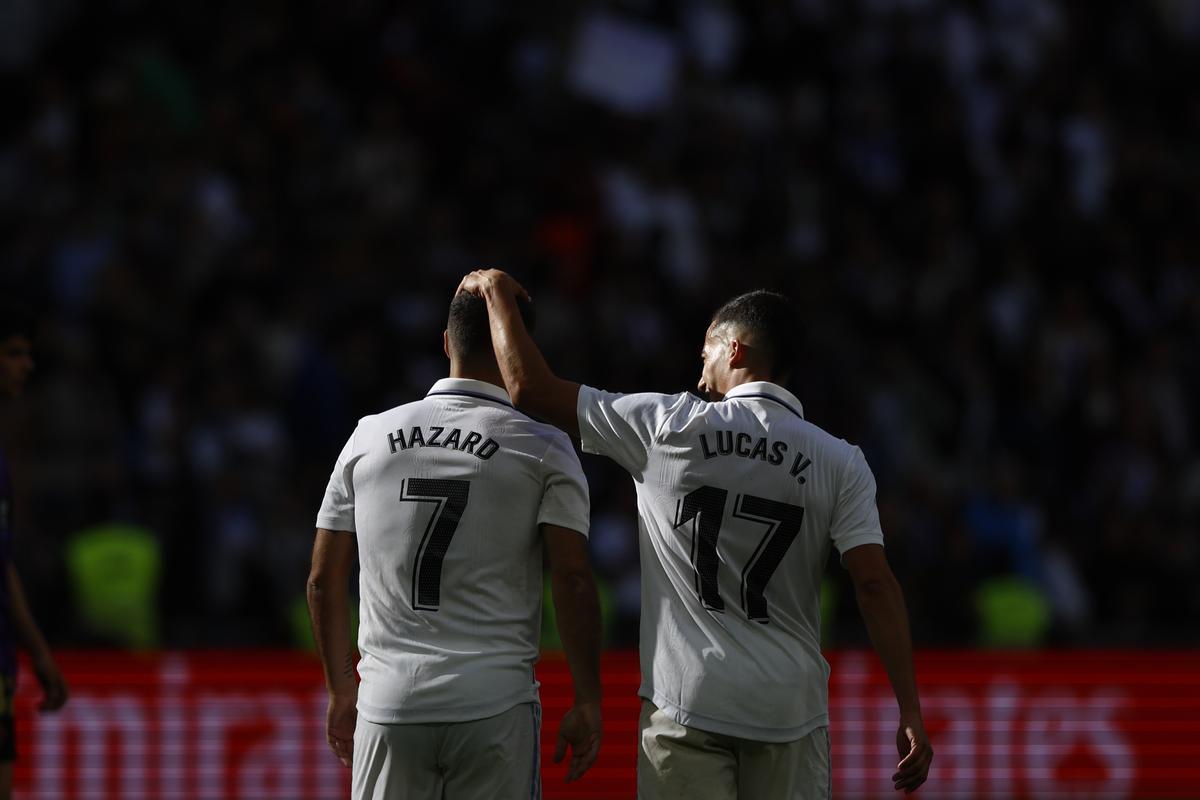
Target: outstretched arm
x,y
530,382
54,688
577,611
329,608
881,603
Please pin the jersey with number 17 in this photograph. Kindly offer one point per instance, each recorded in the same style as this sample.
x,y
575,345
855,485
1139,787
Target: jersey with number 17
x,y
739,503
445,496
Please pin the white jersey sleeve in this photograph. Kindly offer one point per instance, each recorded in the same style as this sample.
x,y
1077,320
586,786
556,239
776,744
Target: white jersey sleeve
x,y
565,497
337,507
623,426
855,519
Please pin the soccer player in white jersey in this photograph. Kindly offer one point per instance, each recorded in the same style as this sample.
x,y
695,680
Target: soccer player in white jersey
x,y
450,502
739,501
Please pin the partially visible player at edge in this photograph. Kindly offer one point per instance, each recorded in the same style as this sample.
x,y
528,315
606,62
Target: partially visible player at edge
x,y
16,622
739,501
451,501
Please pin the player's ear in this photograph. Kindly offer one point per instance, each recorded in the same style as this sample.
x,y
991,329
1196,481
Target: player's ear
x,y
737,353
446,343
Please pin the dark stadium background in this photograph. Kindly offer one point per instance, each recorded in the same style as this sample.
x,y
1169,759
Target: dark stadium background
x,y
240,224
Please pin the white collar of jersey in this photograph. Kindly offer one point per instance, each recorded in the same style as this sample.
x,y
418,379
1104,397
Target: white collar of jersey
x,y
465,387
769,391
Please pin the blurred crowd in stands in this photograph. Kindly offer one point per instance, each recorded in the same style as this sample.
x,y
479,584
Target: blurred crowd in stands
x,y
241,224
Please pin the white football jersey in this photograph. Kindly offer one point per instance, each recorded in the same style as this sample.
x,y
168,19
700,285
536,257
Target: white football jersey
x,y
445,495
738,504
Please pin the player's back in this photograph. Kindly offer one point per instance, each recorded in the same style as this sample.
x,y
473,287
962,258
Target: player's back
x,y
739,502
447,495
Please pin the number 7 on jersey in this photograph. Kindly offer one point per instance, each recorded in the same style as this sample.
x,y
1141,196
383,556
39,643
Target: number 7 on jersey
x,y
451,499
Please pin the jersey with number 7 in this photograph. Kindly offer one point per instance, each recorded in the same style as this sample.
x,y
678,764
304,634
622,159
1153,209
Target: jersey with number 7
x,y
445,496
739,502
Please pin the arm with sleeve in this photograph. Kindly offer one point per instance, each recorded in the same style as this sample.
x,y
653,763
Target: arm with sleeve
x,y
624,426
565,500
855,515
329,602
337,507
857,534
563,518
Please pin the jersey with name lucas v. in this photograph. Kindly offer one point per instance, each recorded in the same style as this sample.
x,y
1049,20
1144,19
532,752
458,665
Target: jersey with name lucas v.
x,y
739,502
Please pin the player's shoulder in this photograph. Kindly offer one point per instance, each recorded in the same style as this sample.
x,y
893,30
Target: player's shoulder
x,y
677,401
657,399
831,448
401,411
389,419
824,439
538,432
371,421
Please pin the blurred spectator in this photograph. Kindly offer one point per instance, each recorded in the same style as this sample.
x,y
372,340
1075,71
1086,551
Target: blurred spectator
x,y
241,220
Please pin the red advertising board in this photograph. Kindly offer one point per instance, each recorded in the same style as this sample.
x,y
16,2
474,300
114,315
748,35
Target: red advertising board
x,y
251,725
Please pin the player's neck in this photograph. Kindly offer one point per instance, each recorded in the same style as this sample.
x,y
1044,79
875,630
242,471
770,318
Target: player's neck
x,y
488,373
740,376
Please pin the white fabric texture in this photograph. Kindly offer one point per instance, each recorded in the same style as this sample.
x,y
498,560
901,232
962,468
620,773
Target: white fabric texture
x,y
445,496
739,504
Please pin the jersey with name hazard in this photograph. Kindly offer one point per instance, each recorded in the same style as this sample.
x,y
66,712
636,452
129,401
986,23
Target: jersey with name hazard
x,y
739,503
445,496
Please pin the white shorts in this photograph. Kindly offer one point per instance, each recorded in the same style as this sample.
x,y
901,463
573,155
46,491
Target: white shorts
x,y
497,758
676,762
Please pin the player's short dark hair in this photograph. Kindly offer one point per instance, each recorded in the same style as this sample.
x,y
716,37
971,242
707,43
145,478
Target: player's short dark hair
x,y
15,320
469,329
769,320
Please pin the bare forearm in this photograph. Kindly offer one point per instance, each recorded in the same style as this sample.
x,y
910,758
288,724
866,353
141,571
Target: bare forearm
x,y
329,609
882,606
577,610
533,385
27,630
524,368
